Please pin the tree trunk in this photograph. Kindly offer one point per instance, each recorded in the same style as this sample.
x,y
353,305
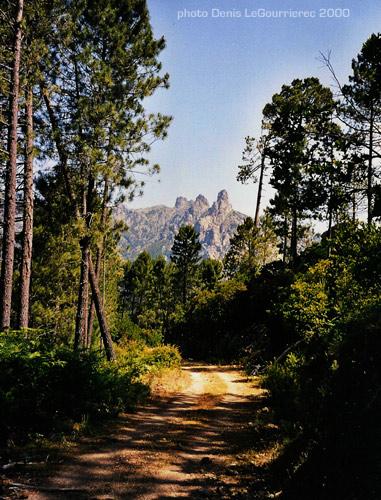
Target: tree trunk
x,y
85,244
285,230
184,286
294,235
83,296
98,263
354,207
27,242
6,281
90,320
260,186
105,332
80,337
370,167
330,220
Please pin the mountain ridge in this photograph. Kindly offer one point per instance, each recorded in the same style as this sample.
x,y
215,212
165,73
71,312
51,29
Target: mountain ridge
x,y
153,228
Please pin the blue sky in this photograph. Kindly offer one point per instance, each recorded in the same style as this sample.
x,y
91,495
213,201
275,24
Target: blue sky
x,y
222,73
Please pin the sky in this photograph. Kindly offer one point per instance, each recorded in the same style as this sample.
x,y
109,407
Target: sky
x,y
223,71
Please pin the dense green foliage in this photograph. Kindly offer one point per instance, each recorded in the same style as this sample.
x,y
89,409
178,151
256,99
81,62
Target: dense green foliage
x,y
45,388
251,248
325,393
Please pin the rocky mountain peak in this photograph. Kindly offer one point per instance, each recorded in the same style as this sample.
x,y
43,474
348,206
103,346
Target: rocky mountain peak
x,y
181,202
201,201
222,207
154,229
223,196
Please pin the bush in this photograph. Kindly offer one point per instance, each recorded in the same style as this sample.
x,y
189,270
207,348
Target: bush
x,y
163,357
343,419
153,338
283,384
43,385
327,392
147,359
126,330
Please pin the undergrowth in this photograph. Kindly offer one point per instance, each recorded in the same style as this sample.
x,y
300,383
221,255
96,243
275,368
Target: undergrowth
x,y
49,391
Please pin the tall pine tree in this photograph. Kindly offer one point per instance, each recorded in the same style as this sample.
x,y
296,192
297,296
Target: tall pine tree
x,y
105,59
299,119
186,255
6,279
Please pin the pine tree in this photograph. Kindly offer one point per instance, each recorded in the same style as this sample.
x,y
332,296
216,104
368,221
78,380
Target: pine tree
x,y
361,109
210,273
99,127
27,234
299,119
185,254
6,280
254,157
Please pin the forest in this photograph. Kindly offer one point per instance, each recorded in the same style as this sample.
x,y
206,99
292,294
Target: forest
x,y
83,330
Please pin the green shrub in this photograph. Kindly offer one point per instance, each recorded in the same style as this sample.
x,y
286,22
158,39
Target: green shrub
x,y
153,338
43,385
328,390
163,357
126,331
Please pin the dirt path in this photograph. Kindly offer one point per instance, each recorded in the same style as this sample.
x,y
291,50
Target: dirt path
x,y
185,447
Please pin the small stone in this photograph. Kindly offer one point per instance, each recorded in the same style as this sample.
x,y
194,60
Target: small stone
x,y
9,466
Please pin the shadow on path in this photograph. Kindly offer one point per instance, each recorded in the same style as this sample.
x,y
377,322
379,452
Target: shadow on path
x,y
179,449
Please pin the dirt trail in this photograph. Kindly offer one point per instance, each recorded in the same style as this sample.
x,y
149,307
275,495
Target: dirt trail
x,y
183,448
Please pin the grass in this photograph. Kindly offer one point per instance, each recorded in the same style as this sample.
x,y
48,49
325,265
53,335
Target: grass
x,y
168,381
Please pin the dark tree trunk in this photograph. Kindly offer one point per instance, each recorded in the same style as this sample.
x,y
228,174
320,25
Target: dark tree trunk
x,y
80,339
105,332
370,167
27,241
285,240
10,182
83,296
330,220
260,187
294,235
90,322
90,319
184,286
330,216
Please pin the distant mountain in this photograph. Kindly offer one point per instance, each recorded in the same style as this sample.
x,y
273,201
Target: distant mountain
x,y
153,229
